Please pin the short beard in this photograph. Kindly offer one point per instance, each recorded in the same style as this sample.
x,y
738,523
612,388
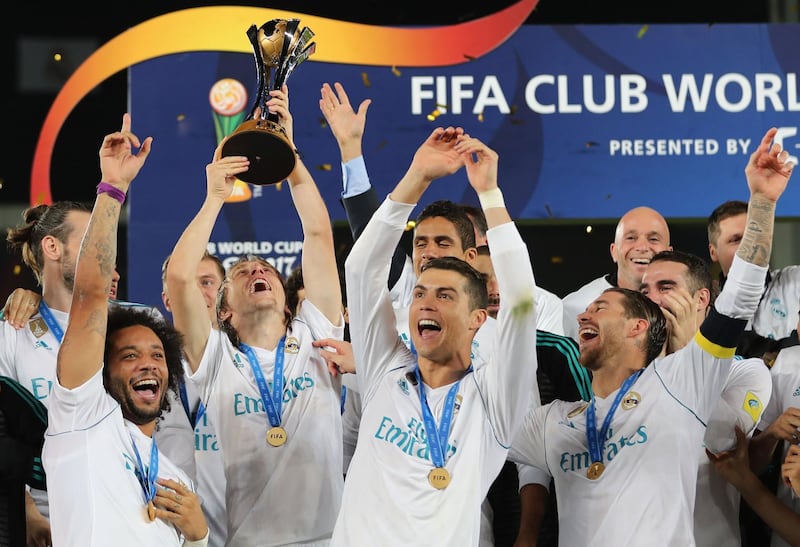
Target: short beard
x,y
130,411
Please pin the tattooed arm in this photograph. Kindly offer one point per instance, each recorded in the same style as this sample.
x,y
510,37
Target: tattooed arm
x,y
81,353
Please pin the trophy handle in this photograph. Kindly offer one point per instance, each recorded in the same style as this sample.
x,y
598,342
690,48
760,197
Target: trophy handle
x,y
261,84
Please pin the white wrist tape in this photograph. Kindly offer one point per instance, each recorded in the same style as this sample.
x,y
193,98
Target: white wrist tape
x,y
491,198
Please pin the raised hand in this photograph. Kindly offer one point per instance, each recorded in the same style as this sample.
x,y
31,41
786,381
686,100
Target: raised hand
x,y
221,173
346,125
118,164
279,104
438,157
480,162
768,170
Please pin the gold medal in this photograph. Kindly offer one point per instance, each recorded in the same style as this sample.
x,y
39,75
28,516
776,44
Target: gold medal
x,y
631,400
439,477
151,511
577,410
595,470
276,436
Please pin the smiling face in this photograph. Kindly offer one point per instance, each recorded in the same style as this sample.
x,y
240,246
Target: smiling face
x,y
435,237
600,334
138,375
640,234
442,322
254,285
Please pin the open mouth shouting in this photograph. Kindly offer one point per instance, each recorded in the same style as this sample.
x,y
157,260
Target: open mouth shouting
x,y
147,390
428,328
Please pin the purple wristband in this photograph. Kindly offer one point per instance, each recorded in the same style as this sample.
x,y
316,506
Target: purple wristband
x,y
116,193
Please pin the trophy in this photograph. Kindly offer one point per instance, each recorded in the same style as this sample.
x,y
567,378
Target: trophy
x,y
279,47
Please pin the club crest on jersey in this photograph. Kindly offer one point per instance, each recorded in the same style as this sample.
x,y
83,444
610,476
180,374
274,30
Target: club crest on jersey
x,y
457,404
38,327
577,410
631,400
292,345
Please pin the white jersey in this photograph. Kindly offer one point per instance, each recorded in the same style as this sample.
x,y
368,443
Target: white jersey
x,y
745,395
288,494
651,451
776,316
577,301
95,496
549,311
387,496
785,373
197,452
28,355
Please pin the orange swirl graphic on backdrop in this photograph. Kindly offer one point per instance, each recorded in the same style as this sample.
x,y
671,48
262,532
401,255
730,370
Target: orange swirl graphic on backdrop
x,y
221,28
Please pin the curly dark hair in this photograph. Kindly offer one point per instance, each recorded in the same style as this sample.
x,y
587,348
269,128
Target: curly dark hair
x,y
121,317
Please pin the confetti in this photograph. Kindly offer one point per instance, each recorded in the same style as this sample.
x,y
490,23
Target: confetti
x,y
642,31
396,71
324,167
181,117
480,116
556,260
433,115
410,225
365,79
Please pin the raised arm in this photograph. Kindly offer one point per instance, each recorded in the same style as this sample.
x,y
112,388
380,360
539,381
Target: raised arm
x,y
81,352
320,272
767,173
359,198
189,312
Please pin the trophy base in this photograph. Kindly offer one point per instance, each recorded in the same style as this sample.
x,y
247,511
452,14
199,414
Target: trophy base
x,y
272,157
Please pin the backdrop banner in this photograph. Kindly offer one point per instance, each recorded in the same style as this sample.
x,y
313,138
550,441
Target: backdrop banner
x,y
589,121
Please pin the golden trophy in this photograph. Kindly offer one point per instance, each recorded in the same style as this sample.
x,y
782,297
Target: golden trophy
x,y
279,46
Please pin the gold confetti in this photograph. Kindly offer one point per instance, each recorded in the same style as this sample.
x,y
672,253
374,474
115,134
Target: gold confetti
x,y
469,57
365,79
433,115
322,122
590,144
642,31
410,225
17,269
324,167
556,260
181,117
396,71
480,116
513,109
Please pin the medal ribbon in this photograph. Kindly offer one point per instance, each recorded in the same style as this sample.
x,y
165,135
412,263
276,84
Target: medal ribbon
x,y
148,482
596,445
272,404
437,437
196,416
50,321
